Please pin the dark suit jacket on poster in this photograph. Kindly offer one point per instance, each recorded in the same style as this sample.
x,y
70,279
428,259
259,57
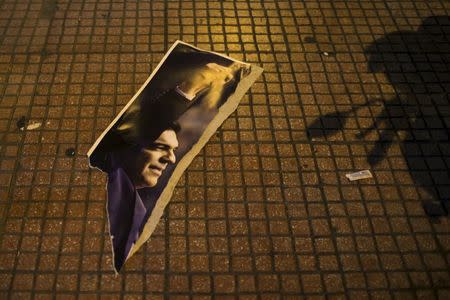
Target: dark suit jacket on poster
x,y
127,206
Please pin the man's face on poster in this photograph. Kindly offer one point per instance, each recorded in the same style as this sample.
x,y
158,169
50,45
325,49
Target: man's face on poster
x,y
148,165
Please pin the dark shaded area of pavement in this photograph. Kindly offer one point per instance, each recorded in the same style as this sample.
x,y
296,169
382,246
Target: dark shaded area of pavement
x,y
417,65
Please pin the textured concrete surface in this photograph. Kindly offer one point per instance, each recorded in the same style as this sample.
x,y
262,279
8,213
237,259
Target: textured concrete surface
x,y
265,211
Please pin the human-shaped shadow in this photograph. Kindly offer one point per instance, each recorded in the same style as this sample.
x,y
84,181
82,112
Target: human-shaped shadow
x,y
417,65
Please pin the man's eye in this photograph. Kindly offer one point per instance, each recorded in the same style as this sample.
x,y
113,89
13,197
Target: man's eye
x,y
159,147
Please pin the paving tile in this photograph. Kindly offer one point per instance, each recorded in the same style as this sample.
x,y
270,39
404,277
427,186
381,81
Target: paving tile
x,y
265,210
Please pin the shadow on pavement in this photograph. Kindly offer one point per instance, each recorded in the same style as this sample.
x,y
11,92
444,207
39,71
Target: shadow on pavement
x,y
417,65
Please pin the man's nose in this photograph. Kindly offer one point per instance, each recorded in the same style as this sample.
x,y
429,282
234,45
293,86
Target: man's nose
x,y
169,157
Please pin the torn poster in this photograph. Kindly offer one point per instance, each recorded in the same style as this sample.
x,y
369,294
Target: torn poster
x,y
155,137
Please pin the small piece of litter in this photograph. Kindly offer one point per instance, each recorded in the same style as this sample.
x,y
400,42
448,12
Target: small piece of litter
x,y
21,123
34,126
325,53
434,209
359,175
70,152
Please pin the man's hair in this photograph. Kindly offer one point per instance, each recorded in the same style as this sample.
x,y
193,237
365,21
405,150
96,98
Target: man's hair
x,y
175,126
131,130
133,140
117,139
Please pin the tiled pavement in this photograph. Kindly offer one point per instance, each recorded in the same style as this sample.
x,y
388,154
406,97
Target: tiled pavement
x,y
265,210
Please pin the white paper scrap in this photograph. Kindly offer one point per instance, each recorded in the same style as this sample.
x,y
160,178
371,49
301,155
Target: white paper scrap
x,y
359,175
34,126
